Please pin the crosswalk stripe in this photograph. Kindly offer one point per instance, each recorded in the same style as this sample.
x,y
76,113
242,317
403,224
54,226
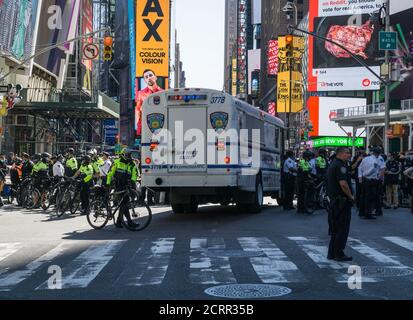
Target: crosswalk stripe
x,y
7,249
275,267
209,270
149,264
85,268
401,242
317,252
374,254
10,280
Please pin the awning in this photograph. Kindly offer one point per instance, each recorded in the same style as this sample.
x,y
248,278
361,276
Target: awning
x,y
104,108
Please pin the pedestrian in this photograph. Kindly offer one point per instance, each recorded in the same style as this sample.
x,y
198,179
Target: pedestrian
x,y
369,177
391,181
341,197
290,177
3,174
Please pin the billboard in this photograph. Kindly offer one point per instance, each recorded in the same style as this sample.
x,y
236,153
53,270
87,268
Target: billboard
x,y
321,111
272,58
254,63
55,24
87,27
17,24
402,23
256,12
290,78
329,142
234,81
153,38
350,24
132,43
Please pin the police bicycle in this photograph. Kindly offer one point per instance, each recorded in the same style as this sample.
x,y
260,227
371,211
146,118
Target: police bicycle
x,y
68,199
104,209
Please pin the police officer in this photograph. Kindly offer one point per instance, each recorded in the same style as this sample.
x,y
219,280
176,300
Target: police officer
x,y
105,167
40,173
27,166
303,180
86,175
71,165
125,174
321,163
369,176
290,176
341,197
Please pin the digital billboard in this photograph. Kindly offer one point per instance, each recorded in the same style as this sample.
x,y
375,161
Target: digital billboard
x,y
87,27
402,23
17,24
55,24
272,58
254,63
321,111
153,37
352,25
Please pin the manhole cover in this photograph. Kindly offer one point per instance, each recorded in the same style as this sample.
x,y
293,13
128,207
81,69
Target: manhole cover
x,y
386,272
234,254
248,291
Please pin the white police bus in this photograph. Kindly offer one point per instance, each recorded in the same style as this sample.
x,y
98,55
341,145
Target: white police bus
x,y
205,146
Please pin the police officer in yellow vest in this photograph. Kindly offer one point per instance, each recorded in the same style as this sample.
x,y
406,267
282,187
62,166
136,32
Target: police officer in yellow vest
x,y
71,165
321,163
86,175
304,171
124,173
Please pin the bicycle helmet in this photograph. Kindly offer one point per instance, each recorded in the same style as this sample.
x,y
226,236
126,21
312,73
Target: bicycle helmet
x,y
86,159
70,151
37,157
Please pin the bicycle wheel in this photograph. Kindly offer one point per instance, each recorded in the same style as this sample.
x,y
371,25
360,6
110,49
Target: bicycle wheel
x,y
33,194
140,216
62,201
46,203
99,214
75,205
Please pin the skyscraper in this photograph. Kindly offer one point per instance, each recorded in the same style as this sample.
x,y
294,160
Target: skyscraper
x,y
231,33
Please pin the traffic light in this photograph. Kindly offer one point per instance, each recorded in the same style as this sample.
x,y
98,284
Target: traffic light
x,y
289,45
108,48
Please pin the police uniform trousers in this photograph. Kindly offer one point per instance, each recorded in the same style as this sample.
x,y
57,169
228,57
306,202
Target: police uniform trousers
x,y
379,198
370,197
289,188
85,194
302,201
339,220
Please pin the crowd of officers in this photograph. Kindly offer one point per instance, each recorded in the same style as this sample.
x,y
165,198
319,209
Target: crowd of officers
x,y
379,181
89,170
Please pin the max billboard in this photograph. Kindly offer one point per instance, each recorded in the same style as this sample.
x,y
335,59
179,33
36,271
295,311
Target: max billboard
x,y
352,25
153,37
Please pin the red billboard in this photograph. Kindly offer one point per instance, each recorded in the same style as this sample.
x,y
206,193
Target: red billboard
x,y
272,57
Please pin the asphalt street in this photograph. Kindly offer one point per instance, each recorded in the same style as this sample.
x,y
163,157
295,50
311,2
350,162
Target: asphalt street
x,y
182,256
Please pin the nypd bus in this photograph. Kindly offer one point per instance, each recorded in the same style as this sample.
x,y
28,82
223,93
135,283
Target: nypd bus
x,y
205,146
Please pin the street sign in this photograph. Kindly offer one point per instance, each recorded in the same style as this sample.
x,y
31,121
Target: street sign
x,y
388,40
90,51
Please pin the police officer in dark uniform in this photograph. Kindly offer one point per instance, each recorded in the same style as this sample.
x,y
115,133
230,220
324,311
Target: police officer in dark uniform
x,y
341,201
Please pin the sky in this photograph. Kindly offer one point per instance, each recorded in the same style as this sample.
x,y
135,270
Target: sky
x,y
200,26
